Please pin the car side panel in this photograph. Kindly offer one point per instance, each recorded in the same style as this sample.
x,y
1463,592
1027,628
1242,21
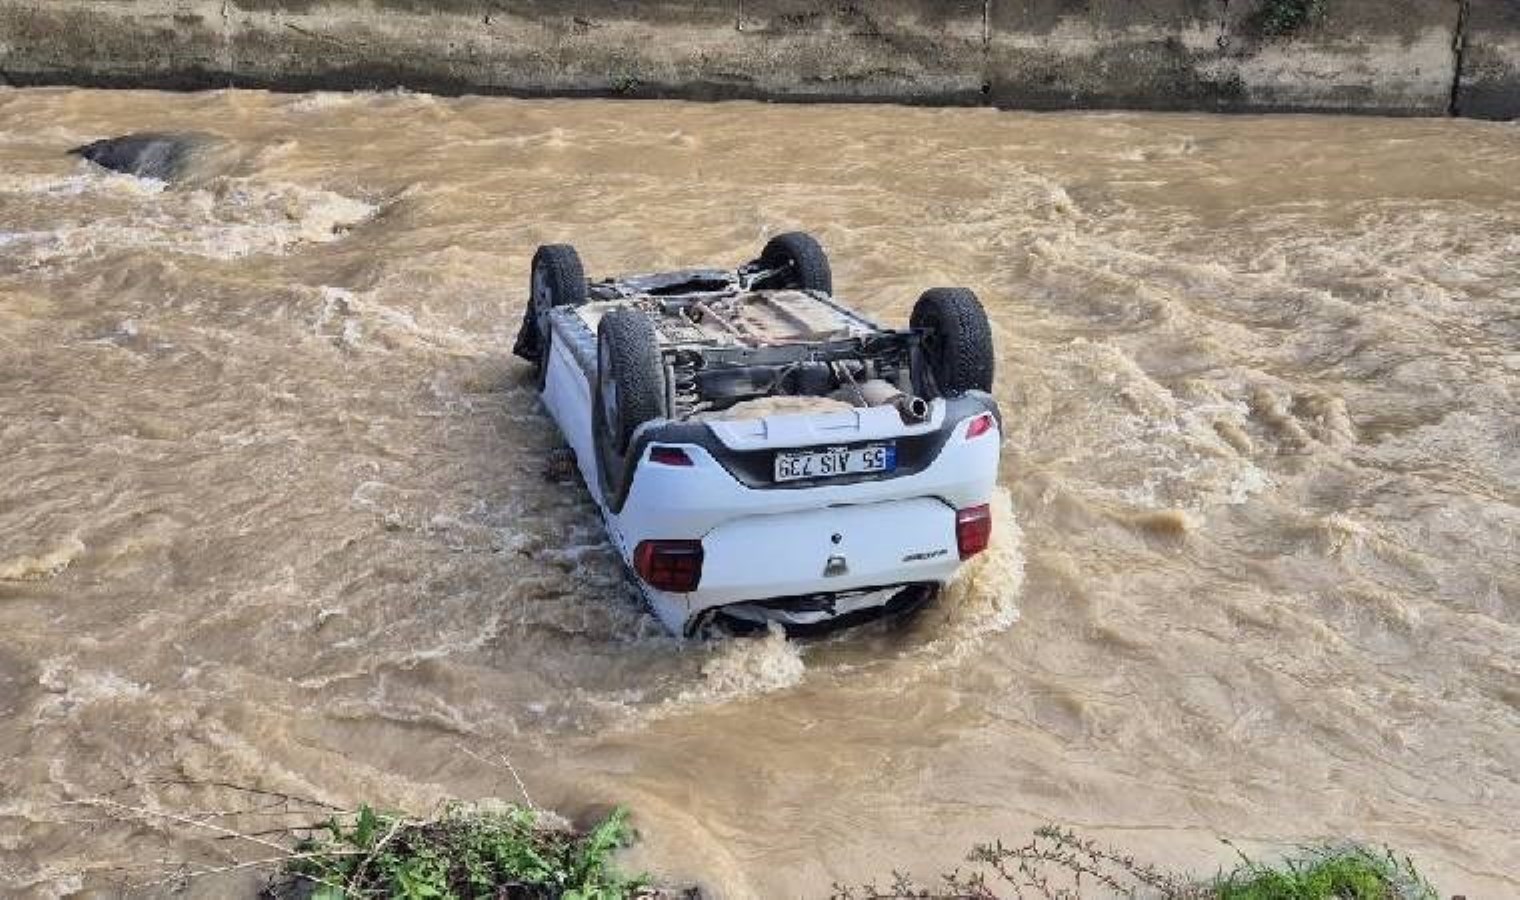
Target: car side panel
x,y
567,396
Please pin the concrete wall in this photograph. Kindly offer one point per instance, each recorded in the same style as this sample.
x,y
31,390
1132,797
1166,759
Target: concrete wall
x,y
1386,56
1380,56
1489,86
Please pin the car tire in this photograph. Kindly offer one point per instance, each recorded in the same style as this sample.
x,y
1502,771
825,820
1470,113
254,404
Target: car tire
x,y
809,263
630,383
955,340
557,279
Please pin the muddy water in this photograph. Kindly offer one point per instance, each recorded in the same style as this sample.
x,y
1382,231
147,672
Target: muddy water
x,y
271,509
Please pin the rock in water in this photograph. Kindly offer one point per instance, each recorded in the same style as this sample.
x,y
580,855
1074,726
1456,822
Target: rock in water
x,y
164,157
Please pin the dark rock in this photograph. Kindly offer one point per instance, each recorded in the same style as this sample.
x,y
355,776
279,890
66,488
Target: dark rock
x,y
163,156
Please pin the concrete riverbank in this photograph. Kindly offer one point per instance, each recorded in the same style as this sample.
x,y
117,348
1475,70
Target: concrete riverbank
x,y
1396,57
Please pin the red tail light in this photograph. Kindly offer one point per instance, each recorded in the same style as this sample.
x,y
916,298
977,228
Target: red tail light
x,y
668,456
973,529
979,426
674,566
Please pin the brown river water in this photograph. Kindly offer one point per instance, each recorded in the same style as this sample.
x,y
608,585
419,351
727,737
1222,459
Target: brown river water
x,y
273,513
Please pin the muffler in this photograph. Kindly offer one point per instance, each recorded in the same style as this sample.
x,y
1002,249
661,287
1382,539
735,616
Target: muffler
x,y
877,392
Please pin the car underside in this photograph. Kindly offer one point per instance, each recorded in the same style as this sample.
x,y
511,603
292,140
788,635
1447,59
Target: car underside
x,y
727,338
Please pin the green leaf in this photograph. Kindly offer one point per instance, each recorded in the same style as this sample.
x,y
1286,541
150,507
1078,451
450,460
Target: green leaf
x,y
364,831
465,852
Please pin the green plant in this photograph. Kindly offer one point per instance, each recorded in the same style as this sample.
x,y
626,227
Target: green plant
x,y
624,83
466,852
1057,863
1343,872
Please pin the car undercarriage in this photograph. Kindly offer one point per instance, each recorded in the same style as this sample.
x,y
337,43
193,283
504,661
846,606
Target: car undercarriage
x,y
723,343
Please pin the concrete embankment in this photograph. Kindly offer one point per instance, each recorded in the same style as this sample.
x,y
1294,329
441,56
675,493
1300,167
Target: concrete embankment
x,y
1403,57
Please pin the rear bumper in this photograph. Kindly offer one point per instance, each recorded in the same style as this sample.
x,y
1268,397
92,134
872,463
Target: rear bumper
x,y
834,549
829,538
727,478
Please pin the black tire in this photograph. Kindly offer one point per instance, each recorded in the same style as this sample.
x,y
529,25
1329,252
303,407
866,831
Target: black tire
x,y
809,264
556,279
630,382
955,340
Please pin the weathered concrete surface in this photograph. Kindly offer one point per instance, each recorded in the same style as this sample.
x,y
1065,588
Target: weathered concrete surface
x,y
1489,87
911,49
1380,56
897,50
1389,56
452,45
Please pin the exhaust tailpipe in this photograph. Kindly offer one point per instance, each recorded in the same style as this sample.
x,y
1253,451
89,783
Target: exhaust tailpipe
x,y
877,392
913,409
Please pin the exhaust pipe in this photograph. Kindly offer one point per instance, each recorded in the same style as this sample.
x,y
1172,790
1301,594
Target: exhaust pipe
x,y
877,392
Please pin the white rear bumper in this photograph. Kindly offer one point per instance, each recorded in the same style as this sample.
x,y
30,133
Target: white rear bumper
x,y
843,548
765,543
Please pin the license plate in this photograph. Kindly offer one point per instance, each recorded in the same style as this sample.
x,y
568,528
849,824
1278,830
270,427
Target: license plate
x,y
835,461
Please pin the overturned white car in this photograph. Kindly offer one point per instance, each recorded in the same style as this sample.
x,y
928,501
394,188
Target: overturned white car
x,y
759,451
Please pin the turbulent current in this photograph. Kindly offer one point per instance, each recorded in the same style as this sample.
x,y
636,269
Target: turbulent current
x,y
274,513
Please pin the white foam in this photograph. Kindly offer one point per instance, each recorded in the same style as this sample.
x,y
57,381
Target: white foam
x,y
227,218
72,687
763,665
742,668
41,566
88,179
362,322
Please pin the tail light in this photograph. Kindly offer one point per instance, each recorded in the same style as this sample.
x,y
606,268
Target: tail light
x,y
674,566
668,456
979,426
973,529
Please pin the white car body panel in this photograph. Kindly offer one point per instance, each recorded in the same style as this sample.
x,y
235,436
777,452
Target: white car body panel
x,y
567,396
